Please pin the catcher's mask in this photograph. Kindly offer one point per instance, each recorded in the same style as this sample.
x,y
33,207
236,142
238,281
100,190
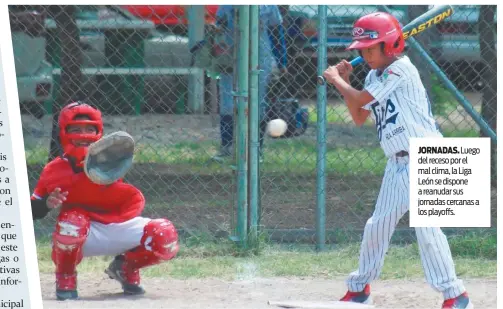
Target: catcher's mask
x,y
71,115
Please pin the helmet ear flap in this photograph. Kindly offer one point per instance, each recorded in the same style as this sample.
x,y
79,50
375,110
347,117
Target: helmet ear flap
x,y
397,43
395,48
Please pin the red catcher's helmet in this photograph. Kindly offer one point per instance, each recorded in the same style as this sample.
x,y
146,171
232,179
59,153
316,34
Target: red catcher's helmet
x,y
378,28
67,117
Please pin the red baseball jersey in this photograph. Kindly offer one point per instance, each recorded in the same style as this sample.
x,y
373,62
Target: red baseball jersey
x,y
115,203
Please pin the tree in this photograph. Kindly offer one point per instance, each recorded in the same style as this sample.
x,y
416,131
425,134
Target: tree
x,y
68,37
487,41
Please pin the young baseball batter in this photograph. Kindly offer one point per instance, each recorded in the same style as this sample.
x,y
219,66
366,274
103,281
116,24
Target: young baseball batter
x,y
96,220
396,98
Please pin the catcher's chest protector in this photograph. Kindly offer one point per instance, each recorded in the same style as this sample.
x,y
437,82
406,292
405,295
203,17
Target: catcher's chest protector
x,y
109,203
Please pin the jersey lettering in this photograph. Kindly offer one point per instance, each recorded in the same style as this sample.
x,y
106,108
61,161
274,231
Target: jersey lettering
x,y
381,116
401,108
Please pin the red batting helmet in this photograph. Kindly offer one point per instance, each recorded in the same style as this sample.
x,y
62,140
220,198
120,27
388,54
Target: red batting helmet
x,y
378,28
67,117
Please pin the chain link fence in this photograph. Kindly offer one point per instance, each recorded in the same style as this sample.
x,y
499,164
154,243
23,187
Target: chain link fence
x,y
464,47
148,69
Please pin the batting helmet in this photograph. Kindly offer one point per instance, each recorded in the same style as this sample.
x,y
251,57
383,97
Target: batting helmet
x,y
68,117
378,28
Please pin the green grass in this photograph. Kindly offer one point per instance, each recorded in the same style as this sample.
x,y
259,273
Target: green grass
x,y
294,156
339,114
202,259
336,114
299,156
475,245
461,133
443,101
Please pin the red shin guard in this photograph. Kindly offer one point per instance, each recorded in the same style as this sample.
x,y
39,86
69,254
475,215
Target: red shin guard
x,y
159,243
68,238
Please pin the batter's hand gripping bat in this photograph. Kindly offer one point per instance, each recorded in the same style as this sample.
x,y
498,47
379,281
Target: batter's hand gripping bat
x,y
418,25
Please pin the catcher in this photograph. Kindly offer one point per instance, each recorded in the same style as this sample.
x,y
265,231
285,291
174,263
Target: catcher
x,y
96,219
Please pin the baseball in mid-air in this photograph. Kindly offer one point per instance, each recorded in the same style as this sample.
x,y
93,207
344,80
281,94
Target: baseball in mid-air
x,y
276,127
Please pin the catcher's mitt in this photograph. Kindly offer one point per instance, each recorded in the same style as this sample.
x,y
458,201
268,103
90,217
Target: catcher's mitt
x,y
110,158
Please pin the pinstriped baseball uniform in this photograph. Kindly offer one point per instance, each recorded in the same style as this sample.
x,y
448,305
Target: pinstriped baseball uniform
x,y
401,110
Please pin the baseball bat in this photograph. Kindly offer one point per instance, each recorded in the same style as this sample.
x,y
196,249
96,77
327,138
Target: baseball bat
x,y
421,23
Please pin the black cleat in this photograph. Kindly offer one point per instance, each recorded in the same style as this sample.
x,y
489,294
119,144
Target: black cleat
x,y
67,295
130,281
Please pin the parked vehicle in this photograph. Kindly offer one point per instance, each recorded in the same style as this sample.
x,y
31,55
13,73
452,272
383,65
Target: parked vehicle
x,y
458,50
34,67
170,17
33,72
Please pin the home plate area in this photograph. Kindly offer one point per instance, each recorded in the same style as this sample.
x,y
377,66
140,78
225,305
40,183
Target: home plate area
x,y
304,304
98,291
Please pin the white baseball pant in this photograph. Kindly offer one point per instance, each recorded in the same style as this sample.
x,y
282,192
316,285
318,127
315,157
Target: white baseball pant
x,y
392,204
115,238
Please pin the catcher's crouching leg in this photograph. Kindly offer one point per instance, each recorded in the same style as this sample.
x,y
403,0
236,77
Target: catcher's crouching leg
x,y
72,228
158,244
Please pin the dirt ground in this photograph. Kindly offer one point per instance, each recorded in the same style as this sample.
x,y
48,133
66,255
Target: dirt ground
x,y
248,293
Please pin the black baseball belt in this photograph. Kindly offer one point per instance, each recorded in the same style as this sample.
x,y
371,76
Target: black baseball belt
x,y
402,154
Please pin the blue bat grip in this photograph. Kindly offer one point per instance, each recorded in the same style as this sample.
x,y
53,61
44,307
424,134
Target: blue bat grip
x,y
356,61
353,63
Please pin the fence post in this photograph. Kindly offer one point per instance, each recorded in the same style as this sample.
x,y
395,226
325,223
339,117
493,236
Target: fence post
x,y
254,123
242,122
196,80
321,102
